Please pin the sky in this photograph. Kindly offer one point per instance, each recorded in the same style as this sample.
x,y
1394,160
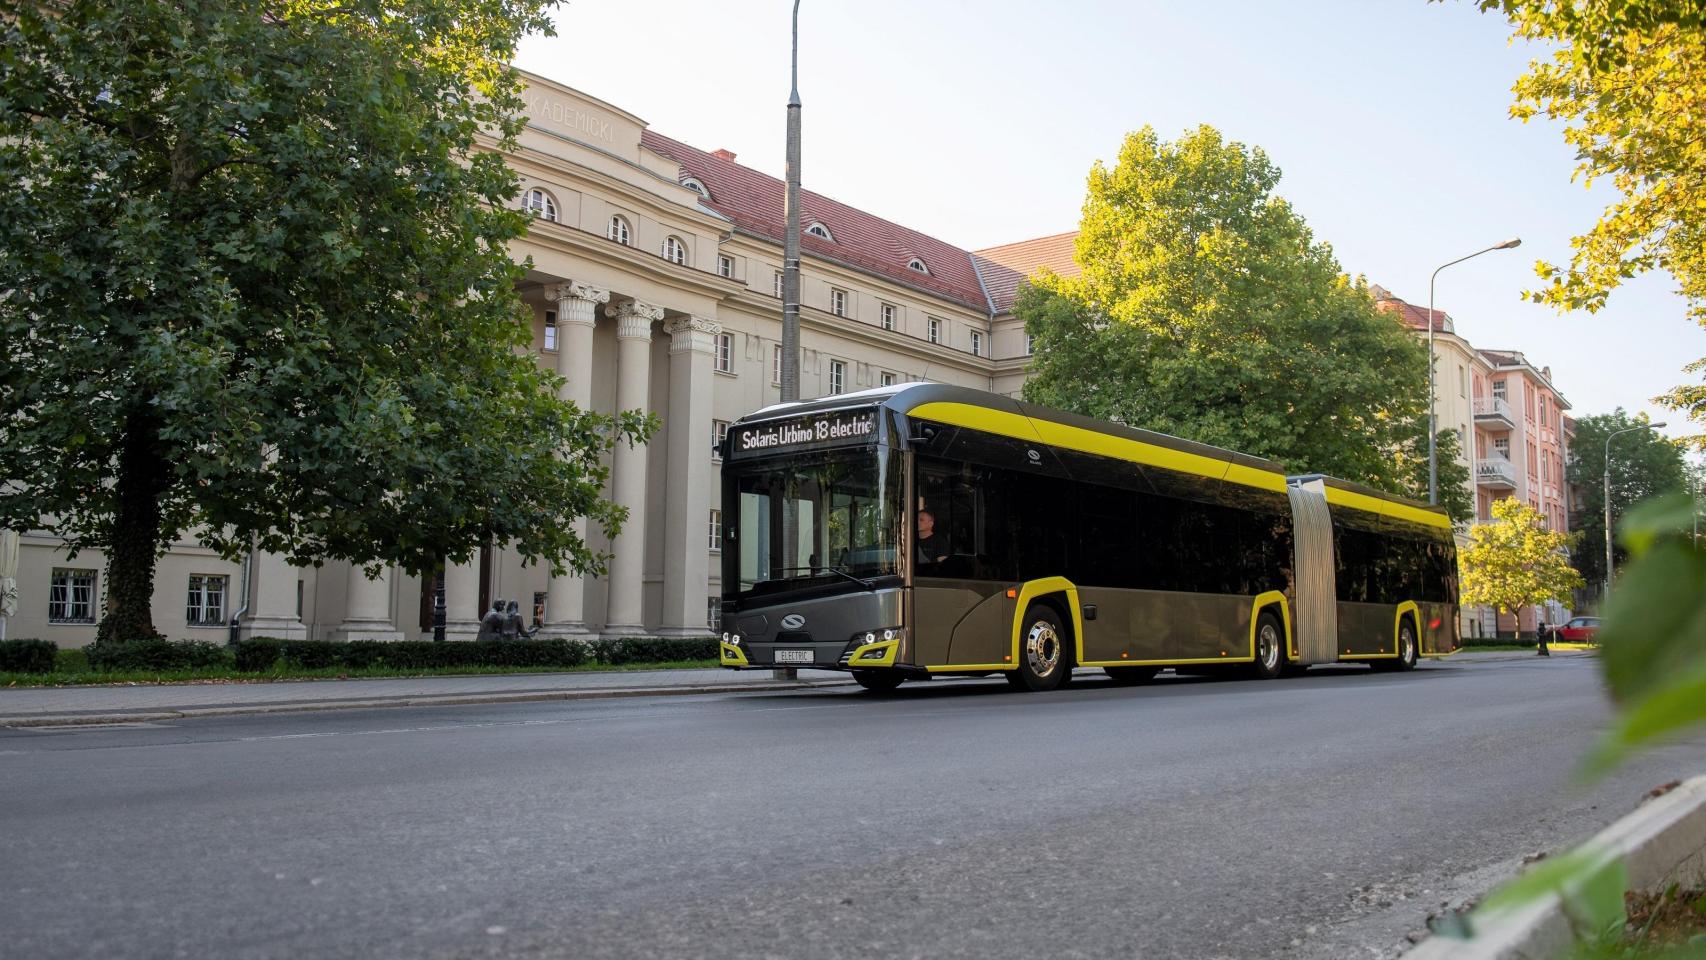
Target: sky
x,y
977,122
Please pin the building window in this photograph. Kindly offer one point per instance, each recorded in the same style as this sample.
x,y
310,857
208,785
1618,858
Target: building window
x,y
1502,446
206,607
719,433
819,230
725,352
71,598
838,302
837,376
618,230
716,529
778,288
725,266
714,612
888,316
539,606
550,329
776,364
887,379
1462,381
1499,389
977,343
692,183
919,265
935,330
675,251
540,204
1030,344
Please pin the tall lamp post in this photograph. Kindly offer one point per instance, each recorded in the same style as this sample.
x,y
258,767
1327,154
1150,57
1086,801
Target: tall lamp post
x,y
791,287
1613,435
1433,427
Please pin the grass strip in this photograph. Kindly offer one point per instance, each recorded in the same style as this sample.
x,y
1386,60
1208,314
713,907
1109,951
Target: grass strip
x,y
82,678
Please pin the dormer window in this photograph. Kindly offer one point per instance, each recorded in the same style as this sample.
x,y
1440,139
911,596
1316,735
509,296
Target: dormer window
x,y
919,265
819,230
618,230
540,204
692,183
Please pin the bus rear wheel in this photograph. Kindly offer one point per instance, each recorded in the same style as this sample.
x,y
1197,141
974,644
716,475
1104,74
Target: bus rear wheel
x,y
1406,659
882,681
1270,648
1045,658
1126,676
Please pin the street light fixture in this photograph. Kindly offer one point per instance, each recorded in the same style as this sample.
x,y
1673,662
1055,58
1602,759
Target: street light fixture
x,y
1608,439
1433,427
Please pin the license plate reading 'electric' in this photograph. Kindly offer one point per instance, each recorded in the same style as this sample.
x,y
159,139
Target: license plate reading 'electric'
x,y
793,656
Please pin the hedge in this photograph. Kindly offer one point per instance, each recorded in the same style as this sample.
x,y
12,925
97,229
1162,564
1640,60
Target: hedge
x,y
27,656
264,653
155,654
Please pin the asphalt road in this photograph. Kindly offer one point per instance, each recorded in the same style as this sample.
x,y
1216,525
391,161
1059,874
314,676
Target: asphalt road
x,y
1322,816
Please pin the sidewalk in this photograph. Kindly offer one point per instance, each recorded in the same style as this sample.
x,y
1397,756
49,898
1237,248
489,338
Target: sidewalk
x,y
55,706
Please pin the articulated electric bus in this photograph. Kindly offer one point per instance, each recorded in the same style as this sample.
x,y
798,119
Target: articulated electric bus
x,y
923,530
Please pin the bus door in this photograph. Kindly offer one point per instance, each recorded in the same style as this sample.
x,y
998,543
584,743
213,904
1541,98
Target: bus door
x,y
962,613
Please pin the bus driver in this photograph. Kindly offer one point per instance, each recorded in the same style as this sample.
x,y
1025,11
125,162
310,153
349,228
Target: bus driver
x,y
928,548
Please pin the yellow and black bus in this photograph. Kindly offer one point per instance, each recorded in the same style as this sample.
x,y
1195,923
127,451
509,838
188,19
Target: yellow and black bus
x,y
922,530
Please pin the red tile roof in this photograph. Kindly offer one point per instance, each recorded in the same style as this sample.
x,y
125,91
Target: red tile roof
x,y
753,200
1410,315
1012,263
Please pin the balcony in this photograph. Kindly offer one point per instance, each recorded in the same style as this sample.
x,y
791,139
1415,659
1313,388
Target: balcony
x,y
1495,472
1494,412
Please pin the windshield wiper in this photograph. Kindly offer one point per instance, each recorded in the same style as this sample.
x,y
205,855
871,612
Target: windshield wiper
x,y
868,585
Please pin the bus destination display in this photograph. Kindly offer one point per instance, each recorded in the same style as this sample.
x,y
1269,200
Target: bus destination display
x,y
836,428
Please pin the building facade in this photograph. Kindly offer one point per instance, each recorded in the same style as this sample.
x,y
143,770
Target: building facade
x,y
654,285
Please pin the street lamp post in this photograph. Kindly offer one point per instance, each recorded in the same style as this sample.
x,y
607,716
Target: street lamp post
x,y
791,231
1433,427
1608,439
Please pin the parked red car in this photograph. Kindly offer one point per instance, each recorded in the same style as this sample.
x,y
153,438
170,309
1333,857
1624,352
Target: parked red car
x,y
1578,630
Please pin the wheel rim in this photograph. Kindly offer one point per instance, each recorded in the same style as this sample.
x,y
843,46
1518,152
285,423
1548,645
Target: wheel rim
x,y
1267,646
1042,648
1406,645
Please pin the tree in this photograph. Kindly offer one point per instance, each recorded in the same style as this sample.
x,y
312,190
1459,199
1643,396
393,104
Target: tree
x,y
1628,80
1515,561
1208,310
1643,465
258,289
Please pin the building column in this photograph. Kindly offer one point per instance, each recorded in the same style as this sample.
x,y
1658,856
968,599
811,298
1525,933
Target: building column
x,y
367,607
687,496
462,599
577,315
272,600
634,321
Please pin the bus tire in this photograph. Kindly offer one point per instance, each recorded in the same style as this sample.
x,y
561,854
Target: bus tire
x,y
1126,676
880,681
1045,656
1407,654
1270,648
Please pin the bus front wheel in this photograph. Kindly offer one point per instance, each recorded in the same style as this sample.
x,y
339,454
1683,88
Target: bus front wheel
x,y
882,681
1045,658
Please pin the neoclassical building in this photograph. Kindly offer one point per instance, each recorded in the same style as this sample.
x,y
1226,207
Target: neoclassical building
x,y
654,285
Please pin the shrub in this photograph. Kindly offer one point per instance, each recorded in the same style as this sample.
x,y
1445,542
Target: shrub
x,y
155,653
626,650
27,656
313,654
258,653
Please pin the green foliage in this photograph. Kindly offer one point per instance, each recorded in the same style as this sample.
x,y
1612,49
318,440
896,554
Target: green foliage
x,y
263,654
27,656
1628,81
1208,310
154,653
1515,561
1643,465
1653,641
258,286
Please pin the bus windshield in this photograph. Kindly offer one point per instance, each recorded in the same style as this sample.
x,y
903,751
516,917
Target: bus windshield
x,y
811,520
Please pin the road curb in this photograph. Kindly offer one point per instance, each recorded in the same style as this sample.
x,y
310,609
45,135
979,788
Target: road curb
x,y
444,700
1662,842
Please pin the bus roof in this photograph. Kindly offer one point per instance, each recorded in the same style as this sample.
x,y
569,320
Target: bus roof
x,y
994,413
